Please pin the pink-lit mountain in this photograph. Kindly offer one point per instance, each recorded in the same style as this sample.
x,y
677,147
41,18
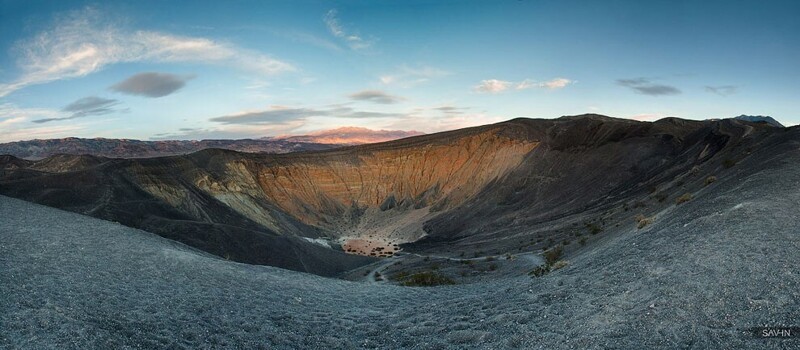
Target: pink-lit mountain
x,y
349,135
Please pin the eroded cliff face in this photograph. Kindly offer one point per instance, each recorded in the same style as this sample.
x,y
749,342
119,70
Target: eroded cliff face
x,y
320,190
378,196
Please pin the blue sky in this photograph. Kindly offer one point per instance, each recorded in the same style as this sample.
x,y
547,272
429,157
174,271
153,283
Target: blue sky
x,y
235,69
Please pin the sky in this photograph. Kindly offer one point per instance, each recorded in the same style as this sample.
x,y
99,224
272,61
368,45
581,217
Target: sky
x,y
156,70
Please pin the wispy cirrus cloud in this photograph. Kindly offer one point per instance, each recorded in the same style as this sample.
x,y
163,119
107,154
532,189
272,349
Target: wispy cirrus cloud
x,y
12,114
311,40
84,107
376,96
646,86
152,84
84,42
352,39
722,90
494,86
15,126
406,76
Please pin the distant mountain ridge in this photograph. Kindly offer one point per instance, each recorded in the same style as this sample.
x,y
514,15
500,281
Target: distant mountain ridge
x,y
127,148
760,119
349,135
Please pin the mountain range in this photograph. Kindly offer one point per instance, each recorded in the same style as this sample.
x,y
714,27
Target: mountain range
x,y
128,148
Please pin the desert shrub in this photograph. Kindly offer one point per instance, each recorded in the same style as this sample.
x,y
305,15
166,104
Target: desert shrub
x,y
711,179
489,258
559,264
660,196
400,276
435,267
427,279
642,221
492,267
728,163
552,255
593,228
540,271
582,241
508,256
683,198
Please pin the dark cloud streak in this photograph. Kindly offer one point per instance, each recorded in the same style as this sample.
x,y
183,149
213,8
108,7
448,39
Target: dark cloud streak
x,y
724,90
283,115
451,110
276,115
647,87
152,84
85,107
375,96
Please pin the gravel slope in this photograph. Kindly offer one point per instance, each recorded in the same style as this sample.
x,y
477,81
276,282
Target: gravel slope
x,y
697,278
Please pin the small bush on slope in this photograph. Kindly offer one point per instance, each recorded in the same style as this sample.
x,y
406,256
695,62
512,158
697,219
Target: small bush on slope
x,y
540,271
552,255
427,279
683,198
593,228
642,221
